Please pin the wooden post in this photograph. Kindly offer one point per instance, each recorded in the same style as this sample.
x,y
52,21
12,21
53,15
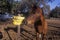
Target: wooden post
x,y
19,32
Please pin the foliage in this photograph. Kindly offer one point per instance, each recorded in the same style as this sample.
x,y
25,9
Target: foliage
x,y
27,4
5,6
55,12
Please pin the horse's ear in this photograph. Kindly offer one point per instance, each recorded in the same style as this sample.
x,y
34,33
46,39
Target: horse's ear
x,y
42,11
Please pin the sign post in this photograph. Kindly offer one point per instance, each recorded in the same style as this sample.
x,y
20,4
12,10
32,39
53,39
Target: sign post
x,y
17,20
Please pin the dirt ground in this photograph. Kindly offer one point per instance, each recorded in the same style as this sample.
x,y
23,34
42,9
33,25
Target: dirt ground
x,y
10,31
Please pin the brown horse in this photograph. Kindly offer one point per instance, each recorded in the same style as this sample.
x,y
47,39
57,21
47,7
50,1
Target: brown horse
x,y
36,17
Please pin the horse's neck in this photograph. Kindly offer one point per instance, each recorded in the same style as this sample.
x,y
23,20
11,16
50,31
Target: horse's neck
x,y
32,18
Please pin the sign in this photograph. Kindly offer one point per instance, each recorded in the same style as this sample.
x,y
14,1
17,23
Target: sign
x,y
17,20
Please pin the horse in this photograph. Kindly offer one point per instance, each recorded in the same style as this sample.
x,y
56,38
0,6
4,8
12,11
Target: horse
x,y
36,18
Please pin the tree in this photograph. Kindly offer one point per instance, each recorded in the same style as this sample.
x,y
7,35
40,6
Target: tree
x,y
25,5
55,12
5,6
36,2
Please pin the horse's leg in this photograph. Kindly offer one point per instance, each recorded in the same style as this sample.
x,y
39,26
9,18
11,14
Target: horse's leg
x,y
45,28
38,36
43,37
